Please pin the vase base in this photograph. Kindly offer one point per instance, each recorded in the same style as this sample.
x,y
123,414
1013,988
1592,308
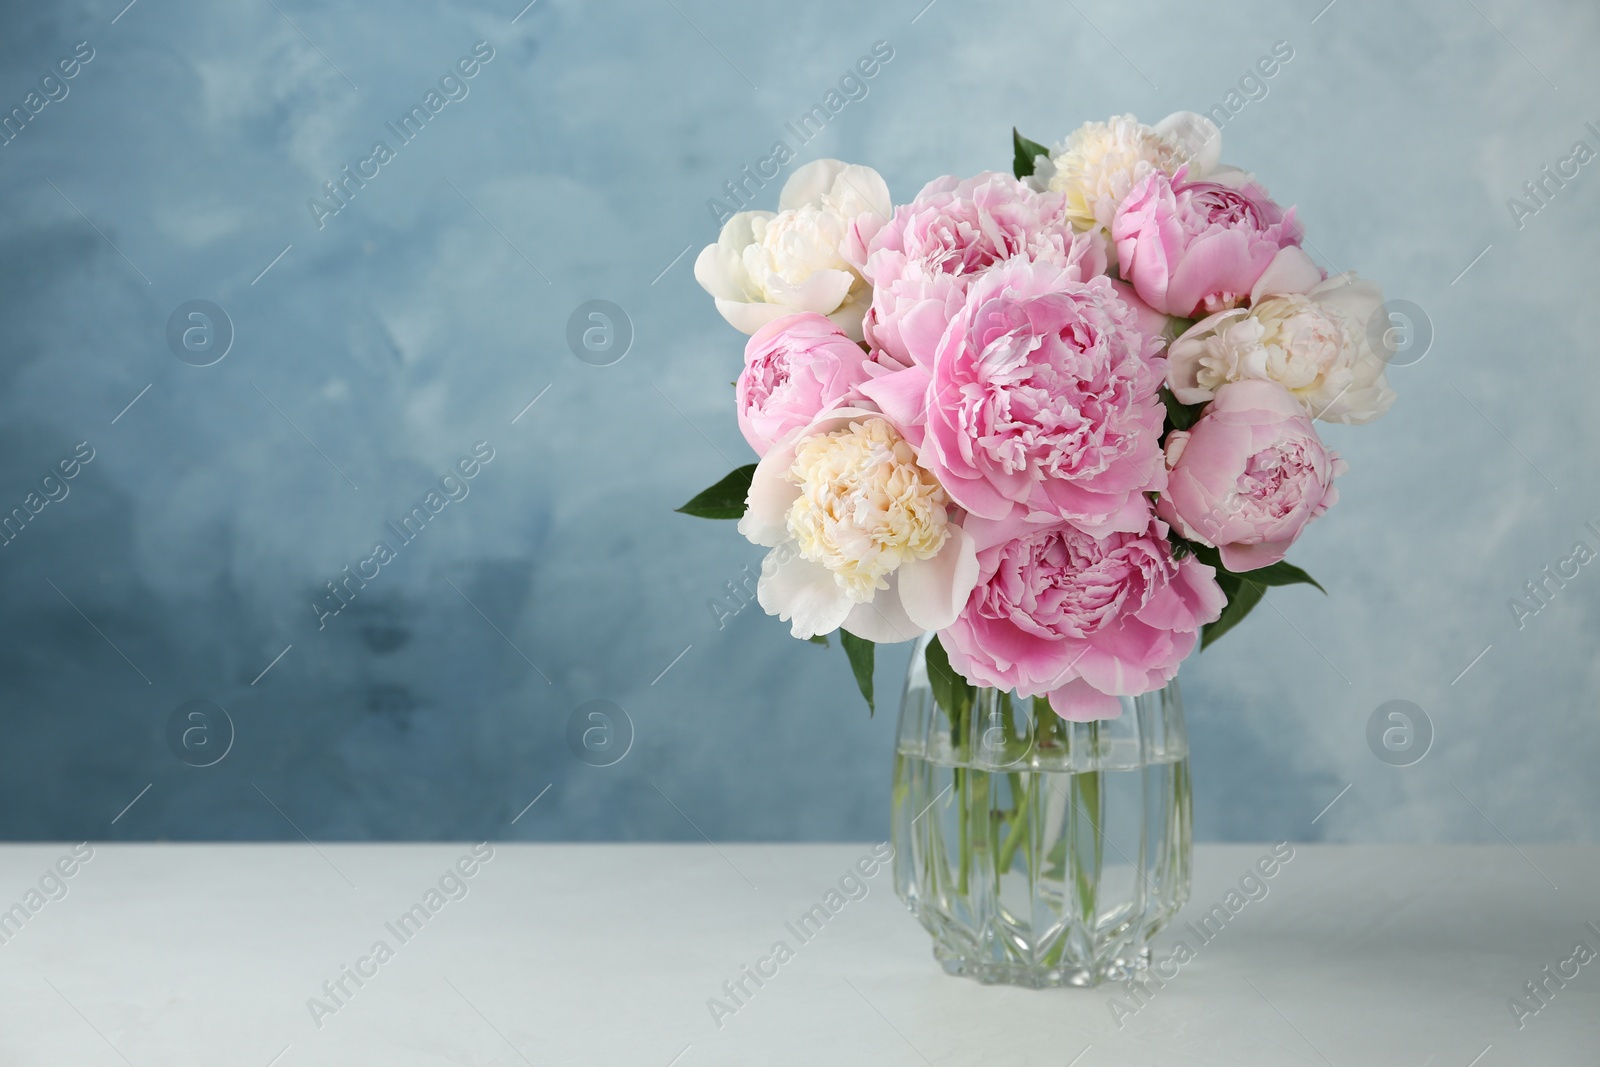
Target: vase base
x,y
1117,969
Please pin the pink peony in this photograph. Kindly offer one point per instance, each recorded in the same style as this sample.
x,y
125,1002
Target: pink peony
x,y
795,368
950,234
1042,399
1194,248
1082,619
906,319
1249,475
963,227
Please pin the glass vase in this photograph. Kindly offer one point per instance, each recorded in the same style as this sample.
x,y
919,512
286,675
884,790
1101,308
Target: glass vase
x,y
1039,852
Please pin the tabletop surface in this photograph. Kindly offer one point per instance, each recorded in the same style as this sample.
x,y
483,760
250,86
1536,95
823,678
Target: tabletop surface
x,y
250,955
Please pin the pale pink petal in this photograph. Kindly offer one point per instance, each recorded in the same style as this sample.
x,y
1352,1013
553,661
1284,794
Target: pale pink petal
x,y
1093,512
991,533
1240,558
858,239
1078,701
903,398
1291,271
1186,603
1168,610
1224,261
1198,582
920,330
1120,660
1148,320
979,493
1256,395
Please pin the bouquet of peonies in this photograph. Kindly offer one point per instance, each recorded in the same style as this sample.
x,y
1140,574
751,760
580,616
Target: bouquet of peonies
x,y
1062,418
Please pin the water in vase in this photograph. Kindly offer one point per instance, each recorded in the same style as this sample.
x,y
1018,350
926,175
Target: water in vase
x,y
1035,851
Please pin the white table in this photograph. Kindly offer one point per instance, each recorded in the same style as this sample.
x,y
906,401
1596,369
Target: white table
x,y
173,955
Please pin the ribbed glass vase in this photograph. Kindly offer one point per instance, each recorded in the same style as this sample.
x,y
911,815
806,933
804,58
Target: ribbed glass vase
x,y
1039,852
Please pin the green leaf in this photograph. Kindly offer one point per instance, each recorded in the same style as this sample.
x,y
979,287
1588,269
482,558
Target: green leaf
x,y
725,500
819,639
1283,573
1229,583
861,652
1280,573
1180,415
1024,152
1244,591
1244,595
1208,555
1176,327
951,692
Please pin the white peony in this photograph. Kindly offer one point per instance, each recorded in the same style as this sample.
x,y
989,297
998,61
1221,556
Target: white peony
x,y
1100,162
861,535
1315,344
766,265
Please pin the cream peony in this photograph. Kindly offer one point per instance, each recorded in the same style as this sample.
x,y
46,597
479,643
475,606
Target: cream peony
x,y
767,265
1100,162
861,535
1314,344
865,507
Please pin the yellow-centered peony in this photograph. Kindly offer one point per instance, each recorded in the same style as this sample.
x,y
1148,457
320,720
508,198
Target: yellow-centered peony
x,y
865,506
1101,161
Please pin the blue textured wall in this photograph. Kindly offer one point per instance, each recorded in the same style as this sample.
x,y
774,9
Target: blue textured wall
x,y
396,333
